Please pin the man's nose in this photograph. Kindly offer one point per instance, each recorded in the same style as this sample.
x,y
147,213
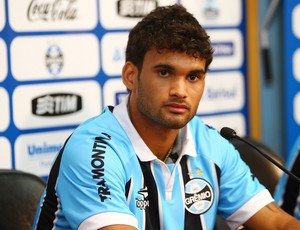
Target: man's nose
x,y
178,87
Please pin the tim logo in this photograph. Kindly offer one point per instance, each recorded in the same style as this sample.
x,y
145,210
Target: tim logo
x,y
54,59
56,104
135,8
199,196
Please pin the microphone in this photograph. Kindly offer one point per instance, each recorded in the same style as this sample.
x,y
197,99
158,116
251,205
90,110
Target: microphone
x,y
229,134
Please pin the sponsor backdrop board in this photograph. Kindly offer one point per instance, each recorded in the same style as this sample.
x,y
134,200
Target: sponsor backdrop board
x,y
292,71
61,61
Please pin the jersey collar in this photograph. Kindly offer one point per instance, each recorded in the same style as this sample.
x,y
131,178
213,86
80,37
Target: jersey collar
x,y
141,149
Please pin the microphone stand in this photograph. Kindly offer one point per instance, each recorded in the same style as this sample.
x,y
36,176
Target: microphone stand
x,y
269,158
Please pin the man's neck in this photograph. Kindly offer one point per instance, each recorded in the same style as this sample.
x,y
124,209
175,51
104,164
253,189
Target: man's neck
x,y
158,139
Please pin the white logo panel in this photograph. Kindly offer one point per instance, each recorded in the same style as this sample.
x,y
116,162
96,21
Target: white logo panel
x,y
2,14
6,160
114,91
296,20
56,104
228,45
3,60
296,66
296,108
215,13
124,14
52,15
236,121
35,153
4,110
113,46
52,57
224,92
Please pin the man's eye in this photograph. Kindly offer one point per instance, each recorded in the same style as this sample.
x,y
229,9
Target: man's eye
x,y
193,77
163,73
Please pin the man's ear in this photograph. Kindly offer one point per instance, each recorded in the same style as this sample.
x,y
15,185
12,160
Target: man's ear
x,y
129,75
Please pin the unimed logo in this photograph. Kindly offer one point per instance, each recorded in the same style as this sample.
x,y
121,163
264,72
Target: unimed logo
x,y
56,104
135,8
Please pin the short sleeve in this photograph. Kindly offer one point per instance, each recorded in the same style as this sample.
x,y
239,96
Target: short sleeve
x,y
92,181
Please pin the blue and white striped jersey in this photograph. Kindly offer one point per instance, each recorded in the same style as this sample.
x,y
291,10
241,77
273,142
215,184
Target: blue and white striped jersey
x,y
105,174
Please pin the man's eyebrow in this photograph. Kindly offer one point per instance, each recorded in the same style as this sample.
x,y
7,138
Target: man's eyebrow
x,y
164,66
172,68
198,71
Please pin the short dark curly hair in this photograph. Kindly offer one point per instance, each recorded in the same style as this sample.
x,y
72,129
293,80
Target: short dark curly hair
x,y
168,28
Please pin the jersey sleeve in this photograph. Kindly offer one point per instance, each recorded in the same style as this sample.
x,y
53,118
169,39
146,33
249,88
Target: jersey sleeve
x,y
241,193
92,180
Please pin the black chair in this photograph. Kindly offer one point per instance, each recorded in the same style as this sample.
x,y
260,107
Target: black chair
x,y
266,172
20,193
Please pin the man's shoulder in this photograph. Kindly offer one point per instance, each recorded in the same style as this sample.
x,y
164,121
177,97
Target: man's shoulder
x,y
103,126
100,134
198,127
208,140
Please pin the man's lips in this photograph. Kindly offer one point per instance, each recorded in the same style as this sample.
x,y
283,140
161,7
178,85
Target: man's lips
x,y
177,107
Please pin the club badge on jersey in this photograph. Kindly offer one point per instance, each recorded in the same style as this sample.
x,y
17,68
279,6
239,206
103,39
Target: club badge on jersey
x,y
199,196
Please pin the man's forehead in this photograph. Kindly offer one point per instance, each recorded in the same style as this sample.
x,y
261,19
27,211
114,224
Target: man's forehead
x,y
172,53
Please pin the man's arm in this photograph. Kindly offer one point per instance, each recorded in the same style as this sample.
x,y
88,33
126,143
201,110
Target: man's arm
x,y
272,217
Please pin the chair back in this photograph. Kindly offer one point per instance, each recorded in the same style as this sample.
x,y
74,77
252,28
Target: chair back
x,y
20,193
266,172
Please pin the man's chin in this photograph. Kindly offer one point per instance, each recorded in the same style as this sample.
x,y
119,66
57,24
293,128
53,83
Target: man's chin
x,y
176,124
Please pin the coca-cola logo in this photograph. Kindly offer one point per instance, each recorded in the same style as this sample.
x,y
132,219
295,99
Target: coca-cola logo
x,y
55,10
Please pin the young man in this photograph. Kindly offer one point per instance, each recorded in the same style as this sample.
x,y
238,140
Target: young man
x,y
150,163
